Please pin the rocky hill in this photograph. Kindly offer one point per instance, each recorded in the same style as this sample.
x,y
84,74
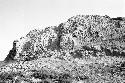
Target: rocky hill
x,y
84,49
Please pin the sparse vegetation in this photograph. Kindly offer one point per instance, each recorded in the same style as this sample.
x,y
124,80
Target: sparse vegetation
x,y
85,49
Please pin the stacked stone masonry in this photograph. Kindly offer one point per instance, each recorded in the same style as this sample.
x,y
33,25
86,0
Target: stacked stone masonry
x,y
84,49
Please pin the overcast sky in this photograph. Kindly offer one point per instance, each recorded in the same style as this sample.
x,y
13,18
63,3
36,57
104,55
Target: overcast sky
x,y
18,17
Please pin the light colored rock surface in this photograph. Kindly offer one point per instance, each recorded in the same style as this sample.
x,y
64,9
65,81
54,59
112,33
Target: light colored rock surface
x,y
85,49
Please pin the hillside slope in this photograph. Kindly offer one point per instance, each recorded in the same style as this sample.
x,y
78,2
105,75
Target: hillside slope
x,y
85,49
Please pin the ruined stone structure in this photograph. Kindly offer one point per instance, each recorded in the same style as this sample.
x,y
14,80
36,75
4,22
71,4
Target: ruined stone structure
x,y
84,49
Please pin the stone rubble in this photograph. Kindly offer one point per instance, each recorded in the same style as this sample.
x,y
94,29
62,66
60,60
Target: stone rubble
x,y
84,49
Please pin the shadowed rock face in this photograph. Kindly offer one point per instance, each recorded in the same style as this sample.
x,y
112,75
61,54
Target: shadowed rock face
x,y
12,53
85,48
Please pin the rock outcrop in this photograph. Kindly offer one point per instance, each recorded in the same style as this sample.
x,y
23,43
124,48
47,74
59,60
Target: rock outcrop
x,y
85,49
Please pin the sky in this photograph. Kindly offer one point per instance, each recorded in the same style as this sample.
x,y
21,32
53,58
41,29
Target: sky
x,y
18,17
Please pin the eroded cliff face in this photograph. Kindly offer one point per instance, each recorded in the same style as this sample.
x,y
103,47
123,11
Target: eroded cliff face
x,y
86,48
